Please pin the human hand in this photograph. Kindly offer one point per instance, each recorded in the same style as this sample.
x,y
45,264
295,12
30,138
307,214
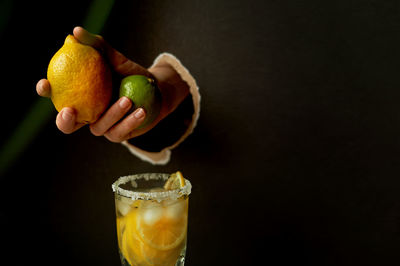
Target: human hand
x,y
110,124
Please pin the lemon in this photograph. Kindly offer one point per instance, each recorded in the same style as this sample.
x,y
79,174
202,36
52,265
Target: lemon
x,y
144,93
161,257
80,78
131,244
120,229
175,181
165,232
158,243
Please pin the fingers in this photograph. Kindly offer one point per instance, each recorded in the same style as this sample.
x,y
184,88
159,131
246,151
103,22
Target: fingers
x,y
66,121
118,61
124,66
110,125
88,38
66,118
122,130
43,88
111,116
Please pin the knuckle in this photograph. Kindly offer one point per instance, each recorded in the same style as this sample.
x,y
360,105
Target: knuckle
x,y
60,126
67,132
63,129
43,88
95,130
99,43
99,38
114,137
124,64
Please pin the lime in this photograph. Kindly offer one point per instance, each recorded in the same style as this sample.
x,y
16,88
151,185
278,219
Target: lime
x,y
144,93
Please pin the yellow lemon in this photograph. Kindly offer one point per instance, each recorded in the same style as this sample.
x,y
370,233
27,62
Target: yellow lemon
x,y
158,257
175,181
163,228
131,244
80,78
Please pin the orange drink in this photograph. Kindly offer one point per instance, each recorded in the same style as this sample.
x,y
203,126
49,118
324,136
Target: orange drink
x,y
152,217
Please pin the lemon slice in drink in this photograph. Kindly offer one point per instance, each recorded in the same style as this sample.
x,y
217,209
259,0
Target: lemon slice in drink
x,y
131,244
154,256
175,181
160,230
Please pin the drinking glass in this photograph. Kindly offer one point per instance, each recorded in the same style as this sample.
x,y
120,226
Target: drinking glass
x,y
151,220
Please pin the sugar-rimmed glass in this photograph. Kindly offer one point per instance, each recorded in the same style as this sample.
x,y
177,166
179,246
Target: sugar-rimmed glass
x,y
151,221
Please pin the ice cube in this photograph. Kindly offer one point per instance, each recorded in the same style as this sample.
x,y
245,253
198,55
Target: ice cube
x,y
175,210
124,205
152,215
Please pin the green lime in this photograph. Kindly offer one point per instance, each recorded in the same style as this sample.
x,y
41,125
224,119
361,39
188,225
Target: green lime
x,y
144,93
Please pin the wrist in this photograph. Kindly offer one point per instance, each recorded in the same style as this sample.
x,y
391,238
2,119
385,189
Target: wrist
x,y
172,87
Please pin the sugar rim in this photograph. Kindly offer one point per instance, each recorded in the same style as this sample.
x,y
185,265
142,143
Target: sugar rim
x,y
160,195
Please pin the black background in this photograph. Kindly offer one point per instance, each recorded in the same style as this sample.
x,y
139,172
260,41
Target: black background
x,y
295,159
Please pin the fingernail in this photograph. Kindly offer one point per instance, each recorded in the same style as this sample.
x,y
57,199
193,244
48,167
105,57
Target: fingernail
x,y
139,113
124,103
66,115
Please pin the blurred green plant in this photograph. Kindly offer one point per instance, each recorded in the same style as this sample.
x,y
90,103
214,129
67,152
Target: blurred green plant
x,y
5,11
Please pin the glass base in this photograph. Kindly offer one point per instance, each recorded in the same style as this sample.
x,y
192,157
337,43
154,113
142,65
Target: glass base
x,y
179,262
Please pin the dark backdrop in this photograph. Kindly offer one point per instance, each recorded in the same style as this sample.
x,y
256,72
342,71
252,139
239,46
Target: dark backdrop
x,y
295,159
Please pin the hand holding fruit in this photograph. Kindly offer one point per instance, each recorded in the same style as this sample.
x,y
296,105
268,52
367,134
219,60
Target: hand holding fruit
x,y
77,111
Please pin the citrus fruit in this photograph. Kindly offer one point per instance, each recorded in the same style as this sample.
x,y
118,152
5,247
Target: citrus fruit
x,y
175,181
153,233
161,257
131,244
144,93
162,232
80,78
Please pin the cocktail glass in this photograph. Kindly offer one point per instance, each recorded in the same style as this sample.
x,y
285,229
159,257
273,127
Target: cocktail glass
x,y
151,220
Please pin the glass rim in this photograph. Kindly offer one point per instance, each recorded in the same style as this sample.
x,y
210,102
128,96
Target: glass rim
x,y
150,195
